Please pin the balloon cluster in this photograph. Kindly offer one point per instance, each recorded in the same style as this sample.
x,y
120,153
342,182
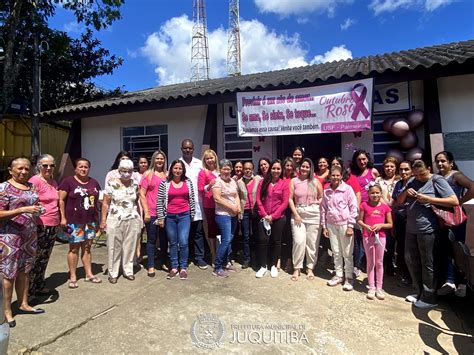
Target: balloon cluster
x,y
404,130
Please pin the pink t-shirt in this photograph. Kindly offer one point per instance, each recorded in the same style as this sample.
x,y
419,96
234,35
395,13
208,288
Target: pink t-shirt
x,y
49,198
204,178
151,187
374,215
229,193
303,194
178,199
249,202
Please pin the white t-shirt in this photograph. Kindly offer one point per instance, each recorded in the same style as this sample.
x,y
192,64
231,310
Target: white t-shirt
x,y
192,172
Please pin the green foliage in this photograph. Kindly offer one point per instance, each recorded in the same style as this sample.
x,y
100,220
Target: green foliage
x,y
69,64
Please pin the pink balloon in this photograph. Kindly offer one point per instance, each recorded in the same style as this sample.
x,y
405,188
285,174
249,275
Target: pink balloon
x,y
395,153
400,127
415,119
387,124
414,153
408,141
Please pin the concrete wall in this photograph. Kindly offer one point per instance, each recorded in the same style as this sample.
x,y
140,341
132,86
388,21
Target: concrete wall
x,y
456,100
101,136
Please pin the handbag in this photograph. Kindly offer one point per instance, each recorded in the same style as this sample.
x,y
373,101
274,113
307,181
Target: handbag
x,y
449,216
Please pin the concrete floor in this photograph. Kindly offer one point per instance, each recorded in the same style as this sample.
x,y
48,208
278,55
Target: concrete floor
x,y
240,314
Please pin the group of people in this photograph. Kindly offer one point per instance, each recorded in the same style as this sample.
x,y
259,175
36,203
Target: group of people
x,y
282,211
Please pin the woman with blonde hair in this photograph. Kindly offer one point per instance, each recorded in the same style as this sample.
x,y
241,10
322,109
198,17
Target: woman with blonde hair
x,y
47,226
206,180
149,186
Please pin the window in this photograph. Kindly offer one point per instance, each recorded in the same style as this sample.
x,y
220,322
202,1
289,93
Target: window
x,y
235,147
145,140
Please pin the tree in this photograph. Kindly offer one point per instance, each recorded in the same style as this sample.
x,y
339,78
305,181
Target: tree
x,y
20,20
78,61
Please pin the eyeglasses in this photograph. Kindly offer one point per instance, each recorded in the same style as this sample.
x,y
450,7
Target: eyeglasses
x,y
187,148
46,166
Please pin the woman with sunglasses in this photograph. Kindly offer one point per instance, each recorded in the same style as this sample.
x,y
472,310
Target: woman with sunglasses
x,y
48,223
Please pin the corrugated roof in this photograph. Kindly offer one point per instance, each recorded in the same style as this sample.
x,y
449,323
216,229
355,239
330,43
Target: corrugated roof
x,y
427,57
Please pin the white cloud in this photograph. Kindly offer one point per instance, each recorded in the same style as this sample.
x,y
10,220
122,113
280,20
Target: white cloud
x,y
335,53
286,8
380,6
73,27
169,50
432,5
347,23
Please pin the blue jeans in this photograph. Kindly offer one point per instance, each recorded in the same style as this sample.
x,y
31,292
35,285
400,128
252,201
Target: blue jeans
x,y
248,229
196,236
177,228
153,232
226,226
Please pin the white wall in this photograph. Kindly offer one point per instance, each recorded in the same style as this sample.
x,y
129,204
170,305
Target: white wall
x,y
456,101
101,140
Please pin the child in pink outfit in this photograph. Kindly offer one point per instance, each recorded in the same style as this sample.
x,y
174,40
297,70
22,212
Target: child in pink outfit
x,y
374,217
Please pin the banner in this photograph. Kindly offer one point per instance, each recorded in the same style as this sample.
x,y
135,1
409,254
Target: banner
x,y
343,107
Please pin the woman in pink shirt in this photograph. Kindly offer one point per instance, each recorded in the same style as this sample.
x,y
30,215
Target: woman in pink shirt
x,y
272,200
338,217
362,167
47,189
305,195
149,185
247,186
206,180
175,211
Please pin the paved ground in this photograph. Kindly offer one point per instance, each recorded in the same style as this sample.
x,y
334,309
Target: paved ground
x,y
248,316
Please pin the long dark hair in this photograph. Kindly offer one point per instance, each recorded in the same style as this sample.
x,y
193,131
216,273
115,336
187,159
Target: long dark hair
x,y
346,174
120,155
259,161
450,157
268,179
354,167
170,172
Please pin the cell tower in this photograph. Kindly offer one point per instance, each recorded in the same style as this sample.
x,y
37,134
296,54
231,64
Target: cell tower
x,y
233,42
200,48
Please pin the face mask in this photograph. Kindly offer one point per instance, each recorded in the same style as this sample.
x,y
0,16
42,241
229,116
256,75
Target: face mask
x,y
125,176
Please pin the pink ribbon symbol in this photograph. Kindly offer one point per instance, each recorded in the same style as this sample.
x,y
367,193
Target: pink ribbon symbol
x,y
359,102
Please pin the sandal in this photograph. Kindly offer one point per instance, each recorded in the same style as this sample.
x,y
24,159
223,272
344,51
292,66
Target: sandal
x,y
310,277
93,279
73,284
295,277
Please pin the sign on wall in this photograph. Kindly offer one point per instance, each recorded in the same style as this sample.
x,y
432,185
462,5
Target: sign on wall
x,y
342,107
392,97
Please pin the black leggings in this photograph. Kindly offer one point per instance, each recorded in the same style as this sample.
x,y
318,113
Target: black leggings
x,y
268,257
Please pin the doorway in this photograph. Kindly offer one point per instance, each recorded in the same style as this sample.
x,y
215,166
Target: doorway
x,y
315,145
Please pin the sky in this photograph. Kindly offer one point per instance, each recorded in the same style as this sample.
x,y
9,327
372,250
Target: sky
x,y
154,36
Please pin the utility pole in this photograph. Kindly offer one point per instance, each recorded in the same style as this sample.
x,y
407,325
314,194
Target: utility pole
x,y
200,48
234,66
39,46
36,102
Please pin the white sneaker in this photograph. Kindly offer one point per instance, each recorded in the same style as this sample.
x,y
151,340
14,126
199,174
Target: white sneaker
x,y
348,285
461,291
274,271
411,298
261,273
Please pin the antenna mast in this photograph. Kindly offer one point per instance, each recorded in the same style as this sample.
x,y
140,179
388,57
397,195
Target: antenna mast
x,y
200,48
234,67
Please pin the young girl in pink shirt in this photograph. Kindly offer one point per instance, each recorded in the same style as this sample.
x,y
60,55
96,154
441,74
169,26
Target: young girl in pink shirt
x,y
374,217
